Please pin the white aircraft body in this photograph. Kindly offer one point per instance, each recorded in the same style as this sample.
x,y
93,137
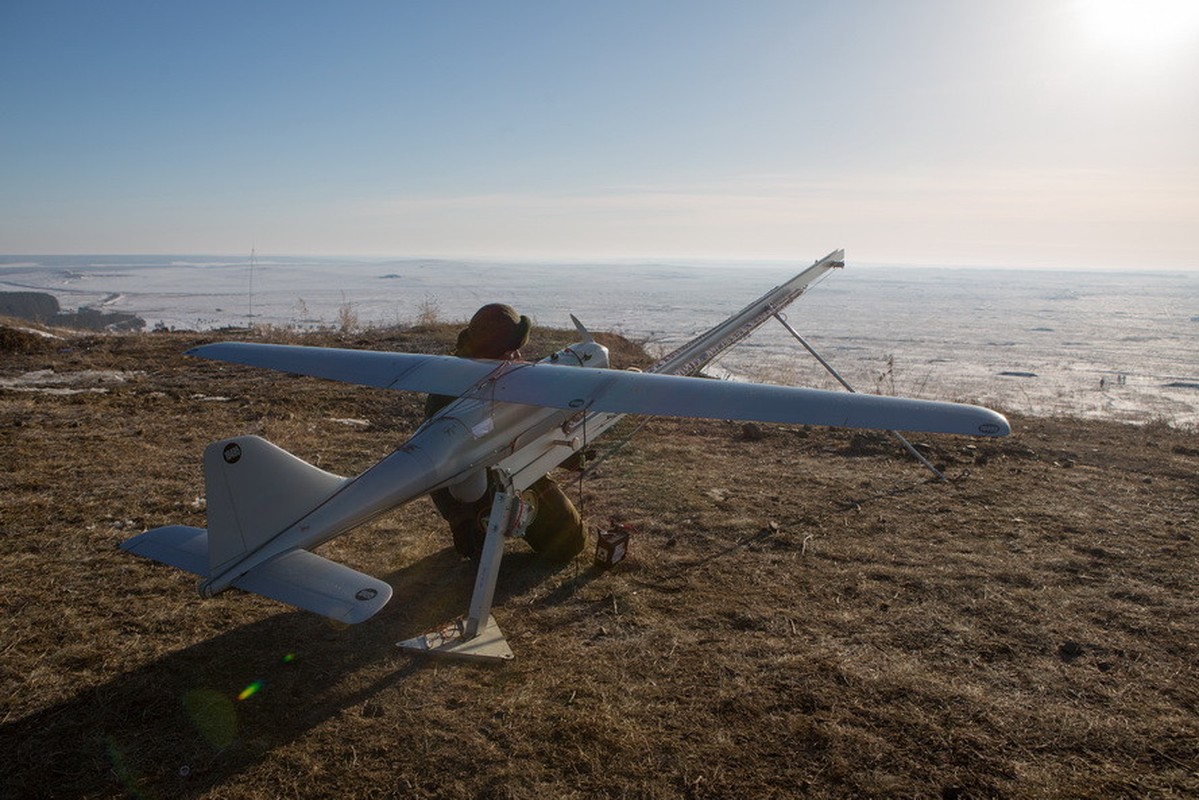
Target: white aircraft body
x,y
512,421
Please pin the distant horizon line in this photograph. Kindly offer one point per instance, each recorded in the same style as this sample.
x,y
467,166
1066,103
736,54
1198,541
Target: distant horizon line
x,y
706,261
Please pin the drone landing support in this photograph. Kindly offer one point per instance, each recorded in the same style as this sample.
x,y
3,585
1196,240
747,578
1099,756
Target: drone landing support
x,y
477,636
451,641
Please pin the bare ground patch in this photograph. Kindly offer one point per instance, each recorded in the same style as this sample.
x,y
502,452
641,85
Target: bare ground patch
x,y
803,614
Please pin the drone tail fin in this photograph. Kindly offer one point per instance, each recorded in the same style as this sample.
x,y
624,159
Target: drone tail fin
x,y
255,490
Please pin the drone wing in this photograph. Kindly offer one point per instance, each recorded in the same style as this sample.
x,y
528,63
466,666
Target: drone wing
x,y
678,396
418,373
557,386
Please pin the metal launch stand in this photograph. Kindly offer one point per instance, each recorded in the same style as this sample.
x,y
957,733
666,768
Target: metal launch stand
x,y
477,636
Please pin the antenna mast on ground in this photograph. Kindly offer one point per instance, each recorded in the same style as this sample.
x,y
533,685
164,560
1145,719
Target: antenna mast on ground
x,y
250,306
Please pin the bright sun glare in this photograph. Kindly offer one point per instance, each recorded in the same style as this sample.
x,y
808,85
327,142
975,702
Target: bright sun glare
x,y
1140,27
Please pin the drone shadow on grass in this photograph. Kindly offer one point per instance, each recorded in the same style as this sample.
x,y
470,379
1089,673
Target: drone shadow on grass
x,y
192,719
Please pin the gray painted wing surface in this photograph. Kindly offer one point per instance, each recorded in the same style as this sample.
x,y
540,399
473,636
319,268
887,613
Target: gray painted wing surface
x,y
677,396
417,373
614,391
306,580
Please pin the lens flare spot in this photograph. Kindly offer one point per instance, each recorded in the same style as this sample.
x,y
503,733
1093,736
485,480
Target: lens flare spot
x,y
290,657
250,690
213,716
121,769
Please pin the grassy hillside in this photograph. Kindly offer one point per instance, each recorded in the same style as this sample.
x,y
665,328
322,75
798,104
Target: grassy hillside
x,y
804,613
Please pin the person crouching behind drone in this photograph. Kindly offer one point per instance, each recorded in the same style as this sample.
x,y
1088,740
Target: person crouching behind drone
x,y
557,531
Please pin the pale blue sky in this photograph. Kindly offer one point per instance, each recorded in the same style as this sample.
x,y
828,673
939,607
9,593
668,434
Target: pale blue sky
x,y
1061,133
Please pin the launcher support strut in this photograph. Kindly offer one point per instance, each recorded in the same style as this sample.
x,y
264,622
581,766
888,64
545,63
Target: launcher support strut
x,y
477,636
915,453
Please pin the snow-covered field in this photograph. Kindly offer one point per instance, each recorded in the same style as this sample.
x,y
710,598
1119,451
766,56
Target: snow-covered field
x,y
1118,345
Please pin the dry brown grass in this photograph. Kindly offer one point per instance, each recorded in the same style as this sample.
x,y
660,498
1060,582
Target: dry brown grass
x,y
805,614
